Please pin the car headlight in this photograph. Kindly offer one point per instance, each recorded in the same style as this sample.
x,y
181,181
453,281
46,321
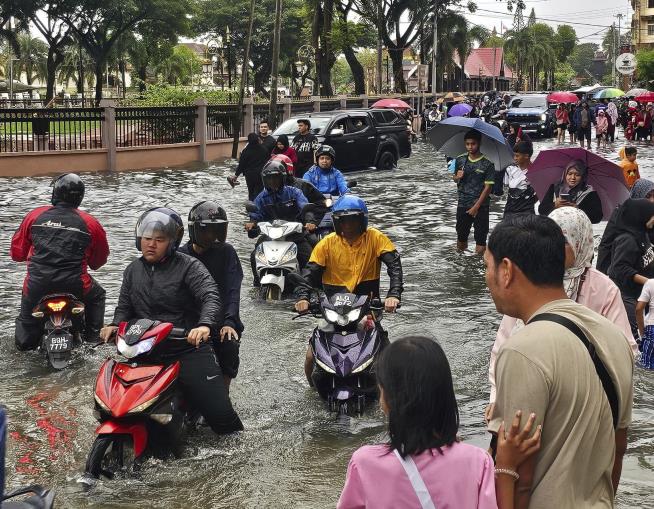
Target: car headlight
x,y
131,351
143,406
101,403
289,255
331,316
324,366
543,117
363,366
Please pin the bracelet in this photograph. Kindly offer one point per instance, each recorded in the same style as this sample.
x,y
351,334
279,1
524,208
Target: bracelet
x,y
506,471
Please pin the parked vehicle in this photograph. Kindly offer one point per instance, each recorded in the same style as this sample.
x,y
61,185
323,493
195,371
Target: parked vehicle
x,y
362,138
532,113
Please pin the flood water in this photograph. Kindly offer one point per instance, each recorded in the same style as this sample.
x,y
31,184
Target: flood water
x,y
293,453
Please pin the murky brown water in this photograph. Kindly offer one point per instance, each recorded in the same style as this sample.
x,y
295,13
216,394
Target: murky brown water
x,y
293,453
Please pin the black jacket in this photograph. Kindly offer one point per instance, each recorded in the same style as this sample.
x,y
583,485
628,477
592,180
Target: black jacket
x,y
179,290
252,159
268,143
630,256
223,264
590,205
305,146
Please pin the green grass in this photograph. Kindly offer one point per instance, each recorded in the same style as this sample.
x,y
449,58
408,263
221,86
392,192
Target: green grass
x,y
57,127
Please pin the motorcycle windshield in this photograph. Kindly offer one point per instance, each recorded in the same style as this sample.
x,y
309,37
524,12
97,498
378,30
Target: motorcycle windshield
x,y
344,354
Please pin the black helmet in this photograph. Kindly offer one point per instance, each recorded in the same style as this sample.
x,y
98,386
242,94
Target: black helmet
x,y
326,150
160,219
67,188
274,172
207,224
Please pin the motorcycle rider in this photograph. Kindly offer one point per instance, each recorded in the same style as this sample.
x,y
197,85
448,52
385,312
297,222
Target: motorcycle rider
x,y
207,228
59,243
324,176
169,286
349,260
280,201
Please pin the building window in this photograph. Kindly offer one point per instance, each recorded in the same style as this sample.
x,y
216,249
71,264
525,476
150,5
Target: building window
x,y
650,4
650,28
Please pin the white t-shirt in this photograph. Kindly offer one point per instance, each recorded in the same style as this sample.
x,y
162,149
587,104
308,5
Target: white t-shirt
x,y
516,177
647,295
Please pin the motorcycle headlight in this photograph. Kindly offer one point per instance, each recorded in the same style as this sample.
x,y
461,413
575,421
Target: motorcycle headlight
x,y
324,366
101,403
260,255
543,117
354,315
329,202
131,351
144,406
331,316
289,255
363,366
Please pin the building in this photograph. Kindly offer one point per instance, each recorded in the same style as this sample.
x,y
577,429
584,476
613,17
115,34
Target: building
x,y
484,69
642,24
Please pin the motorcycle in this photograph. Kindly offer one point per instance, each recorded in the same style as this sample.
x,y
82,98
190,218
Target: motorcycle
x,y
138,404
326,225
345,345
61,315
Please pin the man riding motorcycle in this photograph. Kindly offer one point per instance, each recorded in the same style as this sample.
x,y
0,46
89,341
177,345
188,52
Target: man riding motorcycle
x,y
59,243
207,227
169,286
349,260
324,176
280,201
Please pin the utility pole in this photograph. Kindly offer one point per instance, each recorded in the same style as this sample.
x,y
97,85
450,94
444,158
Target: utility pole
x,y
614,54
434,50
380,22
11,68
272,112
244,77
620,16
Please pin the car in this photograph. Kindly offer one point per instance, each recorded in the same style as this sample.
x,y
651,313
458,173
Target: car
x,y
362,138
532,113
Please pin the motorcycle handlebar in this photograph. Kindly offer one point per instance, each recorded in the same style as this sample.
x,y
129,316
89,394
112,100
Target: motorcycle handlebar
x,y
178,333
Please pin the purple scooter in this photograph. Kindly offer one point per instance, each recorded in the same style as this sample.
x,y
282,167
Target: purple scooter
x,y
345,344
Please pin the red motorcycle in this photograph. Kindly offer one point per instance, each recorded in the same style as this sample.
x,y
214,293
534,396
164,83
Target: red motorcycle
x,y
138,404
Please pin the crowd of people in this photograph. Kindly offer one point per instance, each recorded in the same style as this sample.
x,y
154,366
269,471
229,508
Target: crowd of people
x,y
561,368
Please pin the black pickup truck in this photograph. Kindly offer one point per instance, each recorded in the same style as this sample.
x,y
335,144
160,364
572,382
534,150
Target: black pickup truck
x,y
361,138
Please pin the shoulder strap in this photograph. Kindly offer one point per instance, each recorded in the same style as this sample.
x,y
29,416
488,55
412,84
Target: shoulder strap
x,y
416,481
602,372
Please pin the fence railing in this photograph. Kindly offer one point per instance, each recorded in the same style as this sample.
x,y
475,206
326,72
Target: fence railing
x,y
137,127
36,129
222,121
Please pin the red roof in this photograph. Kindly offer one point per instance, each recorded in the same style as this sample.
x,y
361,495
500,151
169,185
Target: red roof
x,y
480,61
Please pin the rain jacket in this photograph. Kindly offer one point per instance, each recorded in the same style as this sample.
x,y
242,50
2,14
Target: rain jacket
x,y
630,170
327,182
286,204
577,117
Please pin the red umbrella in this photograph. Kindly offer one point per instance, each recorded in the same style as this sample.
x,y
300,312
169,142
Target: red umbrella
x,y
646,98
562,97
392,104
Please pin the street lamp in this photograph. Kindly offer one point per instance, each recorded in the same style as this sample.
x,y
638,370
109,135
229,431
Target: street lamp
x,y
228,40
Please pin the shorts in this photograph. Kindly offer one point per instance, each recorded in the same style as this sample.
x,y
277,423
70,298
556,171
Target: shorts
x,y
572,128
600,136
464,222
563,126
583,132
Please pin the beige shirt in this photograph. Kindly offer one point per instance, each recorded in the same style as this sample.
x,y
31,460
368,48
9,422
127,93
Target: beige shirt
x,y
544,368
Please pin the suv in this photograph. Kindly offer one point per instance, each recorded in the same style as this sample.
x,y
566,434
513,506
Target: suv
x,y
532,113
361,138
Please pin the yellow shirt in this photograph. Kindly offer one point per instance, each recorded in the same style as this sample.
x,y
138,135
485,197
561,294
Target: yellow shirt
x,y
349,265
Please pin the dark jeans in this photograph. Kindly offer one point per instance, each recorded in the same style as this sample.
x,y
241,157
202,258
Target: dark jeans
x,y
227,354
30,329
584,132
201,380
630,307
303,252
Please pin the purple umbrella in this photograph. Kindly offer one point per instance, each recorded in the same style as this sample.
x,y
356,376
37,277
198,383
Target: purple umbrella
x,y
459,110
605,177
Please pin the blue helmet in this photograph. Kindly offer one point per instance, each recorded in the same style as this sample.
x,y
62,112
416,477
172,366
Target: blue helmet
x,y
350,206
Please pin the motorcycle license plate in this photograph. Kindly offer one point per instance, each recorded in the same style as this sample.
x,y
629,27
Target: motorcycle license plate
x,y
59,342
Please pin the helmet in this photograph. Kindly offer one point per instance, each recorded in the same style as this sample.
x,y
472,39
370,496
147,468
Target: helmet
x,y
274,172
160,219
67,188
207,224
286,161
349,207
326,150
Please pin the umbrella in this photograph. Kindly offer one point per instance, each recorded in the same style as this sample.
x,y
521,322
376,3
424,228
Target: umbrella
x,y
609,93
605,176
646,98
447,137
635,92
459,110
562,97
392,104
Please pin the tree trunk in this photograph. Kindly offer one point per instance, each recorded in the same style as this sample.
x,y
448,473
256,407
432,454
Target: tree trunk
x,y
52,76
272,110
99,66
142,74
357,70
244,77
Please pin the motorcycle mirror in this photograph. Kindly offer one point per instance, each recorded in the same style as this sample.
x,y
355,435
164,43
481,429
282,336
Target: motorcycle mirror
x,y
251,207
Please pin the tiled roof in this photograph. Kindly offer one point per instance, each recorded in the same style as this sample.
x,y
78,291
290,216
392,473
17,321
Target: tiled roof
x,y
481,60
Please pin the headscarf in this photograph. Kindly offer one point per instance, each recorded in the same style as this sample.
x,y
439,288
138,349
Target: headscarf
x,y
581,190
578,232
283,139
632,218
253,139
612,111
641,188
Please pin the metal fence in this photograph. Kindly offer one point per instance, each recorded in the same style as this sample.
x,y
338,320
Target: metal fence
x,y
300,107
34,129
221,121
136,127
261,112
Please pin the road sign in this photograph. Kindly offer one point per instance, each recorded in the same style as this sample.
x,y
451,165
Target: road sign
x,y
626,63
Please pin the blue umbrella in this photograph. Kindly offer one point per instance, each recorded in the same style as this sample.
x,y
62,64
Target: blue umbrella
x,y
447,137
459,110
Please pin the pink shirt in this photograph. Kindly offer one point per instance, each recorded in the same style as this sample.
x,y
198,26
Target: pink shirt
x,y
597,293
463,477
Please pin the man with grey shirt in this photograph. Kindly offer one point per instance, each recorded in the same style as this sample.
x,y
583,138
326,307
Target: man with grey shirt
x,y
546,369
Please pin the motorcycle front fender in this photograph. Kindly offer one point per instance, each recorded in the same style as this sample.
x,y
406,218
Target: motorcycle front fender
x,y
138,432
272,279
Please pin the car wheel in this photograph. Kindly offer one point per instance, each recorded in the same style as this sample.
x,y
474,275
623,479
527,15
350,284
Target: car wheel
x,y
386,161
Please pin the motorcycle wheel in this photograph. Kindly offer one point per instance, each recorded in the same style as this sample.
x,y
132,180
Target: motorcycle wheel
x,y
108,455
271,292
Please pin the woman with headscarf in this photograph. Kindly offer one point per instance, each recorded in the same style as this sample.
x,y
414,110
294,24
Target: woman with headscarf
x,y
283,147
583,284
612,113
250,163
626,254
573,191
516,135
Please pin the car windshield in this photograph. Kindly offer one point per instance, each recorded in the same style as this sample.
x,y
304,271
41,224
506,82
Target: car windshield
x,y
529,102
318,126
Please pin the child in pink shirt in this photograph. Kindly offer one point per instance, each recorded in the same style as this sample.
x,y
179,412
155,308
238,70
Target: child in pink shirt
x,y
425,465
601,128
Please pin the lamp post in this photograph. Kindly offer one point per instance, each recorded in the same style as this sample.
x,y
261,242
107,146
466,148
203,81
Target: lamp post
x,y
301,69
214,48
228,40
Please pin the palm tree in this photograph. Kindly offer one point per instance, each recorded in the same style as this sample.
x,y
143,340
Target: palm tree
x,y
519,42
32,59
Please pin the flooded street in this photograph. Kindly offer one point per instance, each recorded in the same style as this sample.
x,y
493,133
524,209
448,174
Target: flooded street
x,y
293,453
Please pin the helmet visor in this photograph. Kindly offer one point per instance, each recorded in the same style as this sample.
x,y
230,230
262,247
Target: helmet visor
x,y
207,234
273,182
157,224
349,222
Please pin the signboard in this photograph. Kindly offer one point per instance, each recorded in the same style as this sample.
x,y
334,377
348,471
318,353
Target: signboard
x,y
626,63
423,71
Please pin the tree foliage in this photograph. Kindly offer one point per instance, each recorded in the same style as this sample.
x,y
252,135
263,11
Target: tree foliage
x,y
581,58
645,66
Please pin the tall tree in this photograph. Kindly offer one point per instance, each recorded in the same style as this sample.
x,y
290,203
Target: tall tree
x,y
564,42
32,58
581,58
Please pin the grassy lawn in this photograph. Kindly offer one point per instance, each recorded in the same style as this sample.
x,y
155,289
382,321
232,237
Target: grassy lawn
x,y
57,127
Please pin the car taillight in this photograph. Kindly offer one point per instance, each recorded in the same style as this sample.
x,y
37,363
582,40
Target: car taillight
x,y
56,306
